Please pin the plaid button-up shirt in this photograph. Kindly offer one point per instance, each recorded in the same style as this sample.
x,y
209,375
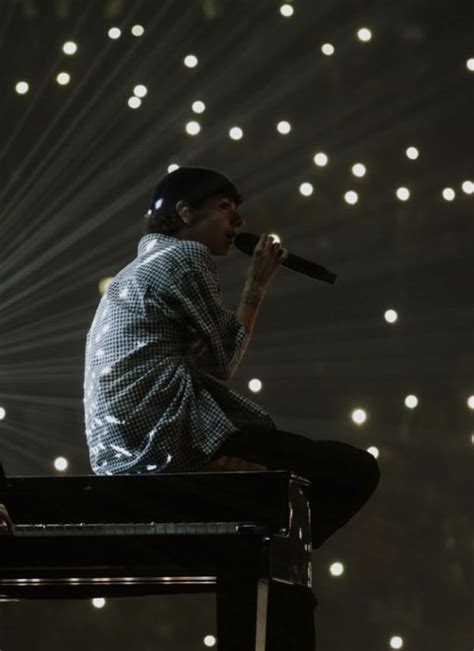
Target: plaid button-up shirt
x,y
149,406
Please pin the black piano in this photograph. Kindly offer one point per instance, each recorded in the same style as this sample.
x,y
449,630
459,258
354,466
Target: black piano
x,y
87,536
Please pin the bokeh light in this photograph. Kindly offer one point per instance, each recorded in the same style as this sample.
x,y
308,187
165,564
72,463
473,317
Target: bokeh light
x,y
351,197
448,194
336,569
364,34
60,463
63,78
411,401
114,33
134,102
70,47
287,10
198,106
321,159
140,90
359,170
284,127
327,49
22,87
359,416
391,316
306,189
403,194
193,128
190,61
236,133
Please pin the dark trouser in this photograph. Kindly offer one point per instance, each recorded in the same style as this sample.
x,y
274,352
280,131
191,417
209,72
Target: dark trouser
x,y
342,480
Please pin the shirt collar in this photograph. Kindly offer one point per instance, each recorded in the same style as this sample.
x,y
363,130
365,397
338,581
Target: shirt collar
x,y
151,240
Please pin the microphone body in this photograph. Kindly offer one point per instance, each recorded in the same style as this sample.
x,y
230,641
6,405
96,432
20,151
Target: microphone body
x,y
246,243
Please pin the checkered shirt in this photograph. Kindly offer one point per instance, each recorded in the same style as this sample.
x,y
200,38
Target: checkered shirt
x,y
150,406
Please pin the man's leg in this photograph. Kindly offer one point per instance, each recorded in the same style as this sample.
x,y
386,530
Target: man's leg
x,y
342,476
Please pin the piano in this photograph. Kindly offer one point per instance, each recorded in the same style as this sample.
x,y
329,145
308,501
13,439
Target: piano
x,y
232,533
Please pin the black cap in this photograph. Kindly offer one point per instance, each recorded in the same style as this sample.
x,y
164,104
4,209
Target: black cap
x,y
191,184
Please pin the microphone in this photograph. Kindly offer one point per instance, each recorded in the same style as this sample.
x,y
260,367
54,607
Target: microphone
x,y
246,242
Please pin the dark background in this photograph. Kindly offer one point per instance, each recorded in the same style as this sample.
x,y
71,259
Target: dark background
x,y
77,172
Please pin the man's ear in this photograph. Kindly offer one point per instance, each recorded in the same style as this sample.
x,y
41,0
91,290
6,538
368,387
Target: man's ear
x,y
182,209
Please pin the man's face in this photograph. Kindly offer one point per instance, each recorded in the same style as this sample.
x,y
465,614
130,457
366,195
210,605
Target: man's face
x,y
212,224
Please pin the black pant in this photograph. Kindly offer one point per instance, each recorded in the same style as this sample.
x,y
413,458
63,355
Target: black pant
x,y
342,480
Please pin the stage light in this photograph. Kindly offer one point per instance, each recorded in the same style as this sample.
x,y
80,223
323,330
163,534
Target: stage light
x,y
69,48
351,197
198,107
468,187
448,194
140,90
364,34
134,102
284,127
306,189
359,416
190,61
104,284
359,170
321,159
63,78
327,49
193,128
470,64
98,602
286,10
390,316
412,153
172,167
3,413
336,569
22,87
403,194
470,402
236,133
60,463
255,385
411,402
210,640
138,30
396,642
114,33
373,451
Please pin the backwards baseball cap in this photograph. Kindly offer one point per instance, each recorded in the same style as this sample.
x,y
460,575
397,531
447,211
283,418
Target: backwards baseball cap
x,y
192,184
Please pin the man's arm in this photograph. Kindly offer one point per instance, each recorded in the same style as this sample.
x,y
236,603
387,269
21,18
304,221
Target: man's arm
x,y
247,311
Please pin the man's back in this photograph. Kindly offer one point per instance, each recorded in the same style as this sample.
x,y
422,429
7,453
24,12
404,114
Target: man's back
x,y
149,406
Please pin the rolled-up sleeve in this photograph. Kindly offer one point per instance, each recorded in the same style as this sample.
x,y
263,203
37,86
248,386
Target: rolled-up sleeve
x,y
198,294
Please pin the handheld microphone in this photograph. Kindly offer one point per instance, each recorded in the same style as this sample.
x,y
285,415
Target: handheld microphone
x,y
246,242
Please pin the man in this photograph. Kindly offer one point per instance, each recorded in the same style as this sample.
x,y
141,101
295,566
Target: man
x,y
162,346
160,353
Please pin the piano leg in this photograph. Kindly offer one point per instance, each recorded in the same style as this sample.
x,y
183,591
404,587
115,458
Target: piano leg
x,y
241,608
